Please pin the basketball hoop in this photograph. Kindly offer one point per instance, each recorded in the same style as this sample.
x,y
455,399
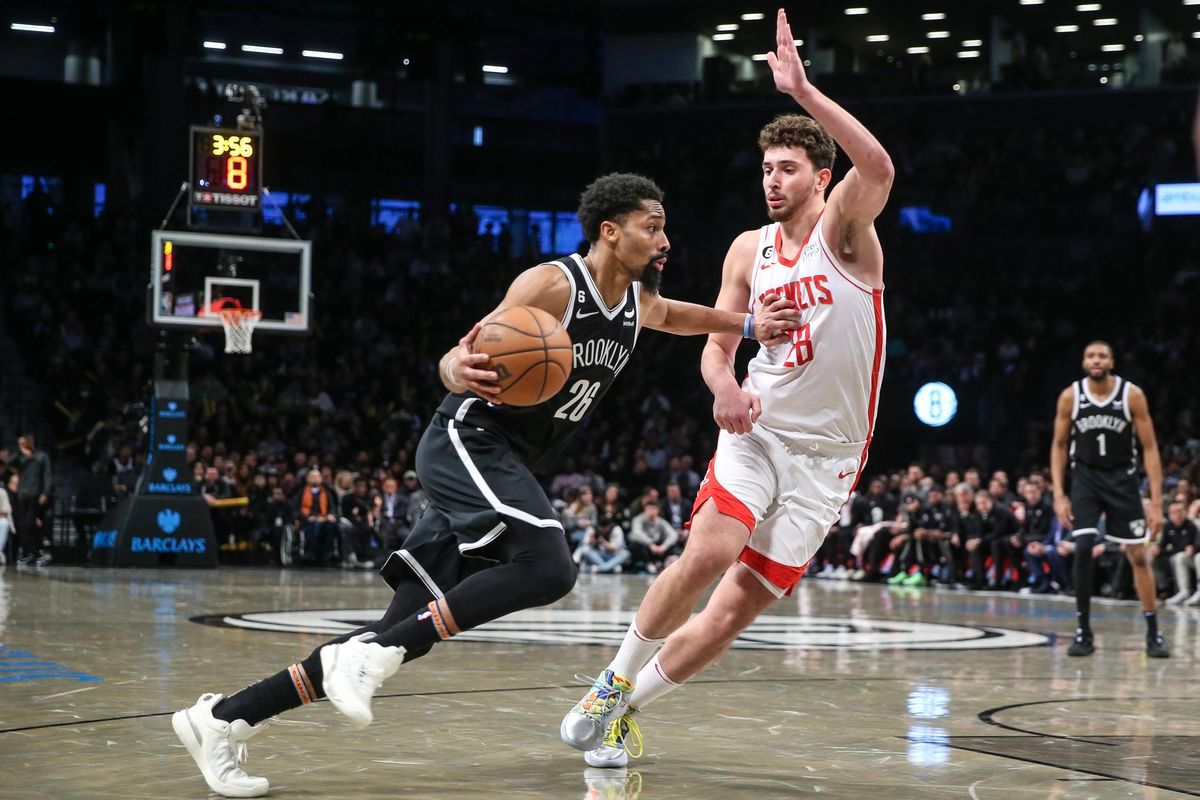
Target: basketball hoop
x,y
239,327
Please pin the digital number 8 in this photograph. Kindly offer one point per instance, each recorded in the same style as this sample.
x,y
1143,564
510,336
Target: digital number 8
x,y
235,172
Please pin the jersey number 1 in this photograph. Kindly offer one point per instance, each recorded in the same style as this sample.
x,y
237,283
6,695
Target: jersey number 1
x,y
802,347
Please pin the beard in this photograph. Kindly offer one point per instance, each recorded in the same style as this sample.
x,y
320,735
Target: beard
x,y
781,214
651,277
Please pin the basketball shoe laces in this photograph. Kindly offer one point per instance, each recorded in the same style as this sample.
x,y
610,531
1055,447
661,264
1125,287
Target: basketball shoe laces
x,y
608,690
625,734
231,754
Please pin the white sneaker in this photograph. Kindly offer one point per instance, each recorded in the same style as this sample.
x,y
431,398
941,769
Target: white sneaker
x,y
353,671
219,748
585,726
623,740
1178,598
1194,600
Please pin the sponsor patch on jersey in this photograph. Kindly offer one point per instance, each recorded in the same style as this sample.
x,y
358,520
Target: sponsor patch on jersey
x,y
768,252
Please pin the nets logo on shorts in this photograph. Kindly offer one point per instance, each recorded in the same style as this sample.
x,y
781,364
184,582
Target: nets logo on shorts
x,y
607,628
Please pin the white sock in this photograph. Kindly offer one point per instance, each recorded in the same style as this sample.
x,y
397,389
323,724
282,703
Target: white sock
x,y
636,650
652,683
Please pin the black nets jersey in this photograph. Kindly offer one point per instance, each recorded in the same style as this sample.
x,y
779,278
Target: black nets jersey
x,y
602,340
1102,433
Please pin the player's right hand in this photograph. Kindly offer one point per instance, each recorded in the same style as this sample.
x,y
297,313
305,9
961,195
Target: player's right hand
x,y
1062,508
736,411
470,369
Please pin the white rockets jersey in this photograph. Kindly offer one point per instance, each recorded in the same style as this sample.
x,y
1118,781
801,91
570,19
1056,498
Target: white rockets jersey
x,y
824,384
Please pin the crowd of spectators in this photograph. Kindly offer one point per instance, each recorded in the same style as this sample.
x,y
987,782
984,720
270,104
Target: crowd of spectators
x,y
1045,251
912,528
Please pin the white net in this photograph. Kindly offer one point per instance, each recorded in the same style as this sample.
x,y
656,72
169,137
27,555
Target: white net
x,y
239,327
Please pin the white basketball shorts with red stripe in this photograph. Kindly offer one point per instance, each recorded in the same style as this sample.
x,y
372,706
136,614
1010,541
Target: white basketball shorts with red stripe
x,y
787,494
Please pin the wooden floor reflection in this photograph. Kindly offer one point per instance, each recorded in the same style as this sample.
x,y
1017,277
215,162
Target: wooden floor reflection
x,y
843,691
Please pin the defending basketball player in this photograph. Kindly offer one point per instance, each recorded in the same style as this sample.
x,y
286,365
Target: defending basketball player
x,y
1094,427
794,436
489,543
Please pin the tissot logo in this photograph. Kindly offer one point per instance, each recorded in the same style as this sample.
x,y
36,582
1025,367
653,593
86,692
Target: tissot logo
x,y
607,628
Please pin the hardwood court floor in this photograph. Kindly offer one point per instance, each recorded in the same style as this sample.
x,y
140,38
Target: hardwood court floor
x,y
844,691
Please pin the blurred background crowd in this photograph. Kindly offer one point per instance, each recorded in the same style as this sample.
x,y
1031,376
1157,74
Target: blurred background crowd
x,y
1017,231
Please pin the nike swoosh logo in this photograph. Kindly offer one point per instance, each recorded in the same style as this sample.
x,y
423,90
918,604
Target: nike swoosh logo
x,y
844,475
766,266
583,314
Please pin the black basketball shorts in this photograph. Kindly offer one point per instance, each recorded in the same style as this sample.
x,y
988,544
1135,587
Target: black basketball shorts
x,y
1113,493
477,488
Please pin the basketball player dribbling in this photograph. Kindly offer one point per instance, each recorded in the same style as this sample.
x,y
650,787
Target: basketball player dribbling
x,y
1094,429
794,436
489,542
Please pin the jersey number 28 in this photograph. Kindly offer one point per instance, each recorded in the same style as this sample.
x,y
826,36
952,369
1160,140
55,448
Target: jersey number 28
x,y
802,347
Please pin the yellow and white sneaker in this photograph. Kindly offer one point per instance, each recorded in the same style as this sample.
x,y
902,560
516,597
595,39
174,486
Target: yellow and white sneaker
x,y
584,727
623,740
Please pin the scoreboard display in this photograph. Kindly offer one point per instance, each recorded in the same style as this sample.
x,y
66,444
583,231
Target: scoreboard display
x,y
226,169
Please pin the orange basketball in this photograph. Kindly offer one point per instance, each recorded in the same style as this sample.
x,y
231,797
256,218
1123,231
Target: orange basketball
x,y
529,350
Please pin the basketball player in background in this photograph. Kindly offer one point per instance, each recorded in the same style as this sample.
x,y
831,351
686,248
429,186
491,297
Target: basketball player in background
x,y
794,435
489,542
1094,429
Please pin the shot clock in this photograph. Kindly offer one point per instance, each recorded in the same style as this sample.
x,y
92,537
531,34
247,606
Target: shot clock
x,y
226,169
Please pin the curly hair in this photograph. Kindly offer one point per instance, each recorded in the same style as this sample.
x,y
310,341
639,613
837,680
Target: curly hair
x,y
614,197
797,130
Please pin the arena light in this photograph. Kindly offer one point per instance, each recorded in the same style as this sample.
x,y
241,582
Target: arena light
x,y
328,55
1066,28
29,27
972,43
728,26
798,42
968,54
935,404
878,37
933,16
856,11
722,37
1104,22
1176,199
262,48
1088,7
1196,34
214,45
1032,2
916,51
1112,48
759,57
937,35
1138,37
1191,2
495,69
753,16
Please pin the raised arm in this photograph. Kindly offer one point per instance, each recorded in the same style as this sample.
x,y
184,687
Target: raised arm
x,y
769,324
1144,425
1058,457
461,370
860,197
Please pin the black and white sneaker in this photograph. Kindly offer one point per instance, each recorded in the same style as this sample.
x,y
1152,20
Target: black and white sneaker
x,y
1083,645
1156,646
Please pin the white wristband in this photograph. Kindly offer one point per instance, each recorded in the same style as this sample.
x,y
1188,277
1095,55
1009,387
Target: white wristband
x,y
448,373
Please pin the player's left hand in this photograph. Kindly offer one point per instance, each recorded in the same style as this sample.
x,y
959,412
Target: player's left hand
x,y
1154,519
775,318
786,65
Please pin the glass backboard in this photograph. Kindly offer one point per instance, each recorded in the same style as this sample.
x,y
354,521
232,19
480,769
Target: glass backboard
x,y
193,276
